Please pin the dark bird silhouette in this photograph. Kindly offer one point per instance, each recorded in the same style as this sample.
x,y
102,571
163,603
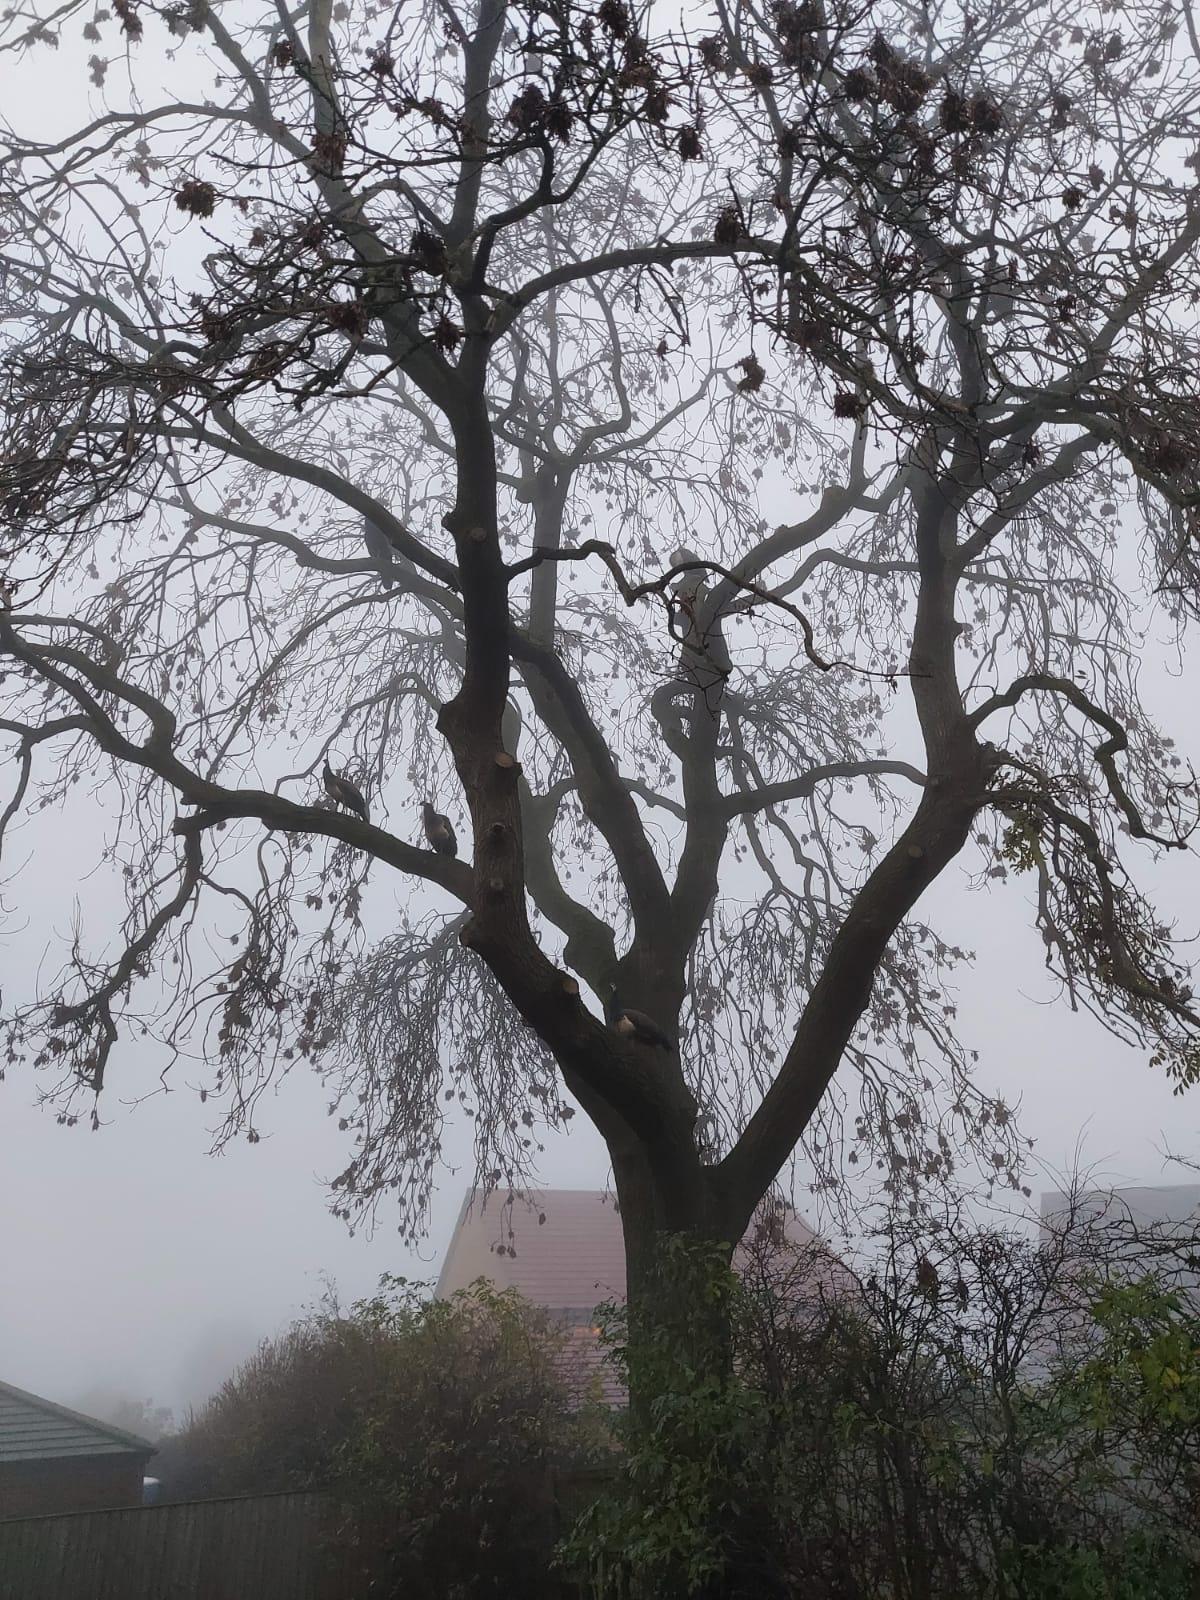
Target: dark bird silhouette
x,y
344,793
635,1024
438,831
379,548
394,566
927,1278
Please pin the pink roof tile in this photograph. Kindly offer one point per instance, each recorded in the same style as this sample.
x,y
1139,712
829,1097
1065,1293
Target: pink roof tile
x,y
584,1367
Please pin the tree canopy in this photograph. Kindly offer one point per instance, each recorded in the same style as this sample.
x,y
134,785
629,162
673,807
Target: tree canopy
x,y
724,464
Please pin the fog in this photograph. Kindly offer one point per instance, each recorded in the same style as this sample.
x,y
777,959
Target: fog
x,y
138,1265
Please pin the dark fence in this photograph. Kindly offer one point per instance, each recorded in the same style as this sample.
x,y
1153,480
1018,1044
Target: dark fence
x,y
261,1547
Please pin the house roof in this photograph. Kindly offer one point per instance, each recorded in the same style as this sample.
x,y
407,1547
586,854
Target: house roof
x,y
33,1429
560,1248
584,1367
1146,1205
563,1249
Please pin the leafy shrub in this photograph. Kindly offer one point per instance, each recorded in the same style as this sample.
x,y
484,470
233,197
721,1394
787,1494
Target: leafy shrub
x,y
975,1417
972,1416
1133,1568
442,1425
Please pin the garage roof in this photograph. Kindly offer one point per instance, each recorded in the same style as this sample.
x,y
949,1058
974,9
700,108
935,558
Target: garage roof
x,y
33,1429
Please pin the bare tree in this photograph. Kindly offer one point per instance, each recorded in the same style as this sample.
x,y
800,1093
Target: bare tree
x,y
418,391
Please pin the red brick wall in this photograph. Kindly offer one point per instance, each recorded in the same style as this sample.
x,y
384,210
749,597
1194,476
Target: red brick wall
x,y
73,1483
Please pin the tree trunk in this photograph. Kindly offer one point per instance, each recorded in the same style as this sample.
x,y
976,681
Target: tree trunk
x,y
675,1254
690,1453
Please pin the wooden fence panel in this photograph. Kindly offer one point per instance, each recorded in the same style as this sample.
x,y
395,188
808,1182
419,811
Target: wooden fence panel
x,y
261,1547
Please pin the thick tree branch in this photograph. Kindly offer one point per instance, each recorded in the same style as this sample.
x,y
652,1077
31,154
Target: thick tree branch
x,y
239,442
959,775
801,788
218,804
1105,753
937,832
590,949
605,798
679,611
595,267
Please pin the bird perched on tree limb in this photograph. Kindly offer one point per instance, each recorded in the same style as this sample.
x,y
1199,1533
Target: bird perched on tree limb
x,y
383,553
927,1278
635,1024
439,832
344,793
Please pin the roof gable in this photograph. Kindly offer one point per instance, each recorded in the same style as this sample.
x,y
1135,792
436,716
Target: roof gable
x,y
563,1250
33,1429
560,1248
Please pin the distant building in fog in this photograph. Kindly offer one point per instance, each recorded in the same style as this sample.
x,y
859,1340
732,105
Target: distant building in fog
x,y
1160,1207
1116,1234
52,1459
1152,1228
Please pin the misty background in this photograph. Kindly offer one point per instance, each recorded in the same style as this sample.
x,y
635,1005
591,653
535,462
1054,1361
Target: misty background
x,y
137,1266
